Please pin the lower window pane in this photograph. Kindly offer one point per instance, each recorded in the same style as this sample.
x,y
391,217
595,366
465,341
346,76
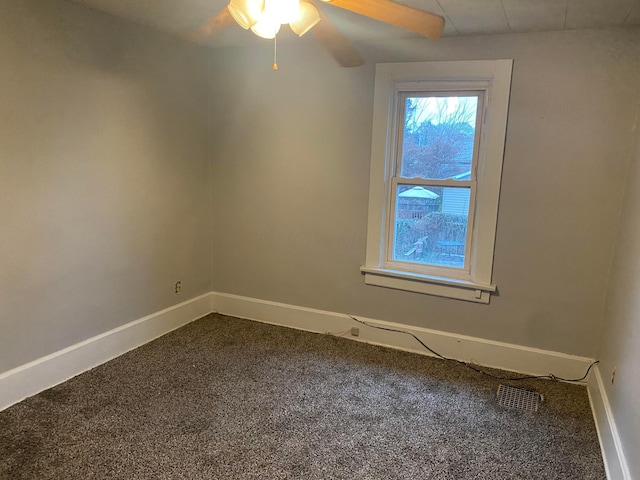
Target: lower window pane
x,y
431,225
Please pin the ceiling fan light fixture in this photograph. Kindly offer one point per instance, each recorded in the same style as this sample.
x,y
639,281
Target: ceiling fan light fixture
x,y
283,11
267,27
309,17
246,13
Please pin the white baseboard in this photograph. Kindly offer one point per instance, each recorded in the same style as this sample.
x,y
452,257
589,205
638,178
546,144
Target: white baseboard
x,y
470,349
46,372
614,459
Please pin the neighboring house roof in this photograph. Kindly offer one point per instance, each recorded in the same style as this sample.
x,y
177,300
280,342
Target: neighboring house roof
x,y
463,176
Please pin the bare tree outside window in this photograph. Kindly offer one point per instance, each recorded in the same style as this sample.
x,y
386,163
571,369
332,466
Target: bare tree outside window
x,y
438,136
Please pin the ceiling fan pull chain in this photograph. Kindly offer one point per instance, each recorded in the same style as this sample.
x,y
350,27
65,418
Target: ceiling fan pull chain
x,y
275,53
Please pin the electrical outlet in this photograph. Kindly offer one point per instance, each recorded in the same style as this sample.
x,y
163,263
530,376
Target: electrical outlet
x,y
355,331
178,288
613,376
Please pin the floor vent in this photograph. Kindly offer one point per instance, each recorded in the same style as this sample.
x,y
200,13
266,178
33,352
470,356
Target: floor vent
x,y
519,398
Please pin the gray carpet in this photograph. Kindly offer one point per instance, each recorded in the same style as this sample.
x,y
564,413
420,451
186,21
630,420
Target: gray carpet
x,y
224,398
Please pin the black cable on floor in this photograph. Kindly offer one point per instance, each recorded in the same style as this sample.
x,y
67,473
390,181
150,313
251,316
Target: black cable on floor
x,y
471,366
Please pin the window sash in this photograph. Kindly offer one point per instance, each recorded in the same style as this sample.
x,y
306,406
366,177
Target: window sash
x,y
398,119
424,268
401,97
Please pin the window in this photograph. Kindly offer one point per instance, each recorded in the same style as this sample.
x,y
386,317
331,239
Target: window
x,y
436,164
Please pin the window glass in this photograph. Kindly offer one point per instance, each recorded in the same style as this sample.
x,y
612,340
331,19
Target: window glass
x,y
439,137
431,225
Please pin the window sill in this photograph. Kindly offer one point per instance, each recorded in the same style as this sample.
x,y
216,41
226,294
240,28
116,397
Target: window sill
x,y
419,283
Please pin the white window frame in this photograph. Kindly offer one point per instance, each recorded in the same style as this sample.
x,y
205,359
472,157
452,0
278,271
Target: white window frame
x,y
493,79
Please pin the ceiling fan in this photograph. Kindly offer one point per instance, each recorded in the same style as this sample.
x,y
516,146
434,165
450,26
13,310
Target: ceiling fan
x,y
264,18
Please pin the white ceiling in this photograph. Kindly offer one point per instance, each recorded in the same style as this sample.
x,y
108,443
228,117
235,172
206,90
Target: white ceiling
x,y
462,17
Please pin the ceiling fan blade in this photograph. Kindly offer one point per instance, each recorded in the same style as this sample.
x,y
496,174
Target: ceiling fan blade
x,y
424,23
214,25
336,43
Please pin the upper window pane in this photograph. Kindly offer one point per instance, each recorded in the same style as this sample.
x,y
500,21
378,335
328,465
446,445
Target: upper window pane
x,y
439,137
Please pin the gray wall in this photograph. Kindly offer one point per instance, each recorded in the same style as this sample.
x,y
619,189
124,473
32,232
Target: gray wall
x,y
290,170
620,342
104,198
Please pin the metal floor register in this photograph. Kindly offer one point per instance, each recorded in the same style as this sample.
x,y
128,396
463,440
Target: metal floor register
x,y
511,397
